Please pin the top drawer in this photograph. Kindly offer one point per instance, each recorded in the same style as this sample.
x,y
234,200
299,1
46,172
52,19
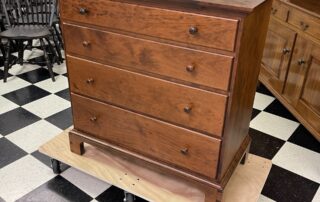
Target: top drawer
x,y
307,23
208,31
280,10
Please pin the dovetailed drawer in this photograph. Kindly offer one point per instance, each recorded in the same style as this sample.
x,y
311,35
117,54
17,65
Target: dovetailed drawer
x,y
175,146
192,66
190,28
182,105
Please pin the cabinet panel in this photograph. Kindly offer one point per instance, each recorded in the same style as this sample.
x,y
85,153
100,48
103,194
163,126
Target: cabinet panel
x,y
277,52
303,84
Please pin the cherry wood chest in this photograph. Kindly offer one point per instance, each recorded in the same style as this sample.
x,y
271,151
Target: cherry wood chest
x,y
169,84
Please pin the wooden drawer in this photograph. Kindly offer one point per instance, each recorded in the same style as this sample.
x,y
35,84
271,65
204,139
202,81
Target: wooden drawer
x,y
173,145
208,31
280,10
305,22
194,67
186,106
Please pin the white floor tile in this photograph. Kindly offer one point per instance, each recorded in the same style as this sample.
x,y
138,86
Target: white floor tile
x,y
47,106
263,198
13,83
299,160
60,84
18,69
22,176
316,198
274,125
34,54
91,185
6,105
60,69
30,138
261,101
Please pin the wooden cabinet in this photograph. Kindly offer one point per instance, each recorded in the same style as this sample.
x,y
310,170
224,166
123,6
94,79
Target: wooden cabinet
x,y
303,83
167,84
277,53
291,62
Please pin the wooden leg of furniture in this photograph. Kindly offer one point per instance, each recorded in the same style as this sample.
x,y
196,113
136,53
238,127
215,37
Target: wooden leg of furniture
x,y
57,46
246,154
52,50
49,65
76,144
20,52
7,62
55,165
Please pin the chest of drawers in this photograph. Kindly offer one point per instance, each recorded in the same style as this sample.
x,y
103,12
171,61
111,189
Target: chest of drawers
x,y
166,83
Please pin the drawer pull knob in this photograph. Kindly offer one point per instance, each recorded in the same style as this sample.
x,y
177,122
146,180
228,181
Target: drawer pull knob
x,y
85,44
93,119
190,68
90,81
83,11
301,62
193,30
188,109
274,11
286,50
304,26
184,151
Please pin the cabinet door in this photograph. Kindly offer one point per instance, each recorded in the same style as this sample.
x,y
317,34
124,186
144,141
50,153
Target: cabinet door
x,y
303,83
276,56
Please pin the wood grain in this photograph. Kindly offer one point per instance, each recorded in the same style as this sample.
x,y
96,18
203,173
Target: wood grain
x,y
245,185
209,69
213,32
150,137
277,54
154,97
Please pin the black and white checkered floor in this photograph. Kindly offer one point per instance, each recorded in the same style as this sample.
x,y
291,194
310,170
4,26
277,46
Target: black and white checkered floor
x,y
33,110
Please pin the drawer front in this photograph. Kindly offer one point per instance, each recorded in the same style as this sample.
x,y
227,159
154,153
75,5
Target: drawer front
x,y
196,67
305,22
173,145
213,32
182,105
280,10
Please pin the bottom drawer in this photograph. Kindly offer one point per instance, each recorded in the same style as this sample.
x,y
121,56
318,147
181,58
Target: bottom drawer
x,y
178,147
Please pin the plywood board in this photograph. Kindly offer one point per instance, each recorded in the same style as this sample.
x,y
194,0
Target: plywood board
x,y
245,185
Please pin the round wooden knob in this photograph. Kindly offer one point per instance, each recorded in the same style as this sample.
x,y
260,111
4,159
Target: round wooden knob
x,y
304,26
193,30
188,109
184,151
85,44
93,119
83,11
286,50
301,62
90,81
190,68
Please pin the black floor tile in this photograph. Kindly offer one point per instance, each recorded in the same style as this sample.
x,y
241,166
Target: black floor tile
x,y
26,95
15,120
57,189
9,152
304,138
255,112
278,109
64,94
1,200
262,89
264,145
283,186
61,119
36,75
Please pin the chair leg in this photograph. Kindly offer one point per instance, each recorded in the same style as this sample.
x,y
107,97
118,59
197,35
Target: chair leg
x,y
20,52
7,61
58,32
49,65
56,59
58,49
